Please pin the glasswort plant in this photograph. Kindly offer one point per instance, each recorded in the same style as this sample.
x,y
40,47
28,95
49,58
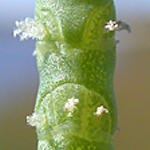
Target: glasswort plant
x,y
76,55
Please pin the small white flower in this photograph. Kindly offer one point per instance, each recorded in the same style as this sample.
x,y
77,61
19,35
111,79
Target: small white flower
x,y
100,110
76,101
29,29
117,25
111,25
36,119
70,106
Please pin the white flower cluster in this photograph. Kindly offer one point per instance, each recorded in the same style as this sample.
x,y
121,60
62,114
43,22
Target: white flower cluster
x,y
117,25
70,106
29,29
100,110
111,25
36,119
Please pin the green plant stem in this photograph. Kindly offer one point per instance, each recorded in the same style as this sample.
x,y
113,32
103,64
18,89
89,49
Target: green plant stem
x,y
76,61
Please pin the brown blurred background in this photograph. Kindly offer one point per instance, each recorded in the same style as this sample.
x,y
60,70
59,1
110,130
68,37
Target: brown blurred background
x,y
19,78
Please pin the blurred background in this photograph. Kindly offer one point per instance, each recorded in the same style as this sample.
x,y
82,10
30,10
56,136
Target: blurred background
x,y
19,77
